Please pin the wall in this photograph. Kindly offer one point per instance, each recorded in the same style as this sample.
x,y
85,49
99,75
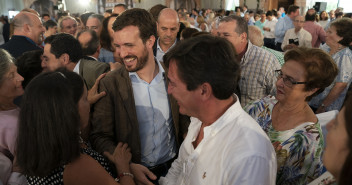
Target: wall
x,y
6,5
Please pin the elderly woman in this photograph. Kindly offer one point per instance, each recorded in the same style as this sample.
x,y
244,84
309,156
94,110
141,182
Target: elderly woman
x,y
10,88
287,118
338,40
50,148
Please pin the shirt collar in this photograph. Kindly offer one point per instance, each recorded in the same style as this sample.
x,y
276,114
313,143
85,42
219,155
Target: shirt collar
x,y
157,78
159,48
76,69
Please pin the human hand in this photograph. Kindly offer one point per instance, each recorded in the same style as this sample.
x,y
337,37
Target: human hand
x,y
141,173
93,95
121,157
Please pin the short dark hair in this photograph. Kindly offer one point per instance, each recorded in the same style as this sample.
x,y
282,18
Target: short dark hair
x,y
310,16
49,39
292,9
121,5
156,9
29,65
343,29
346,171
92,45
269,13
50,135
105,39
321,69
84,17
208,59
66,43
187,32
49,24
137,17
108,11
45,14
241,24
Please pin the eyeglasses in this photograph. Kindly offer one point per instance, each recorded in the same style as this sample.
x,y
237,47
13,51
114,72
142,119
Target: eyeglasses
x,y
289,82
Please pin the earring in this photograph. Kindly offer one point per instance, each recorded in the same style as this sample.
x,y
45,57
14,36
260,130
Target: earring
x,y
80,140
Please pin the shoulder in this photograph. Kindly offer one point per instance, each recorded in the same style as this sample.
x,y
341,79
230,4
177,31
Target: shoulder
x,y
260,105
80,171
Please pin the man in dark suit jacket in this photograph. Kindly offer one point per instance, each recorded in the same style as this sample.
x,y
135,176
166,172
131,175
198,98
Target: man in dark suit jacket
x,y
63,50
137,109
90,49
28,34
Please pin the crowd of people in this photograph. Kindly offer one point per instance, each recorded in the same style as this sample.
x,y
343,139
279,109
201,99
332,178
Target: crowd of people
x,y
164,96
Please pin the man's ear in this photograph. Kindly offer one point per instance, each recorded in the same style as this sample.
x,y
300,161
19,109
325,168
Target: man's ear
x,y
26,28
205,91
65,59
150,41
243,36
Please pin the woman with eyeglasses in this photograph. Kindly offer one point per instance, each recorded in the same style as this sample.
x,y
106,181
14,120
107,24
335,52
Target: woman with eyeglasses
x,y
288,120
338,40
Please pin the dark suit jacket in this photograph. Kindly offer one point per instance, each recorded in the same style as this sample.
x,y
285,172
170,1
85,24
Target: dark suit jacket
x,y
17,45
115,117
91,69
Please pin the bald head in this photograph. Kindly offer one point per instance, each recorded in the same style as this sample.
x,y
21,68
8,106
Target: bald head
x,y
255,36
167,27
29,25
168,13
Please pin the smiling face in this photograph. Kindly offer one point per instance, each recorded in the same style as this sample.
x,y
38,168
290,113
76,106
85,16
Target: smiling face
x,y
187,100
69,26
49,61
296,72
336,149
11,85
130,48
36,29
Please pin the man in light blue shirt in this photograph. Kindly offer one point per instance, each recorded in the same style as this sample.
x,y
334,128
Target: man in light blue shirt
x,y
284,24
137,109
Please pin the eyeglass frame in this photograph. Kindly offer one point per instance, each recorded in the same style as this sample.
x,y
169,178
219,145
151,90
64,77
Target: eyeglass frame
x,y
278,74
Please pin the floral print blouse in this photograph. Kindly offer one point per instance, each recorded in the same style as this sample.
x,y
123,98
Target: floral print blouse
x,y
298,150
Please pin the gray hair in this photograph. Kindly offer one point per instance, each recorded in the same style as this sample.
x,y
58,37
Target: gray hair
x,y
6,60
97,16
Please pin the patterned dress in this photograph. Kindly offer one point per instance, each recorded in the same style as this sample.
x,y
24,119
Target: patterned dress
x,y
56,176
343,60
298,150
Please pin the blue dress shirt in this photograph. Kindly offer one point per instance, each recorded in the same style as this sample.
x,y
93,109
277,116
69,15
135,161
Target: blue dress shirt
x,y
281,27
158,143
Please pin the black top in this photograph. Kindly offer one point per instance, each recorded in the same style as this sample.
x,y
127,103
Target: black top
x,y
17,45
56,176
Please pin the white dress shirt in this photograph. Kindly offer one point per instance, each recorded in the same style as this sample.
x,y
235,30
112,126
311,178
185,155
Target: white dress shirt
x,y
304,38
270,24
234,150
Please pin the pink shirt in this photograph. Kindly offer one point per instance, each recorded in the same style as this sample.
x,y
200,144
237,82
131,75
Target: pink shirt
x,y
9,129
317,32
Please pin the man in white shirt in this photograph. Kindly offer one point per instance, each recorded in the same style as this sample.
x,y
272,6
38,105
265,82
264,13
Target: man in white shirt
x,y
224,145
269,30
297,36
